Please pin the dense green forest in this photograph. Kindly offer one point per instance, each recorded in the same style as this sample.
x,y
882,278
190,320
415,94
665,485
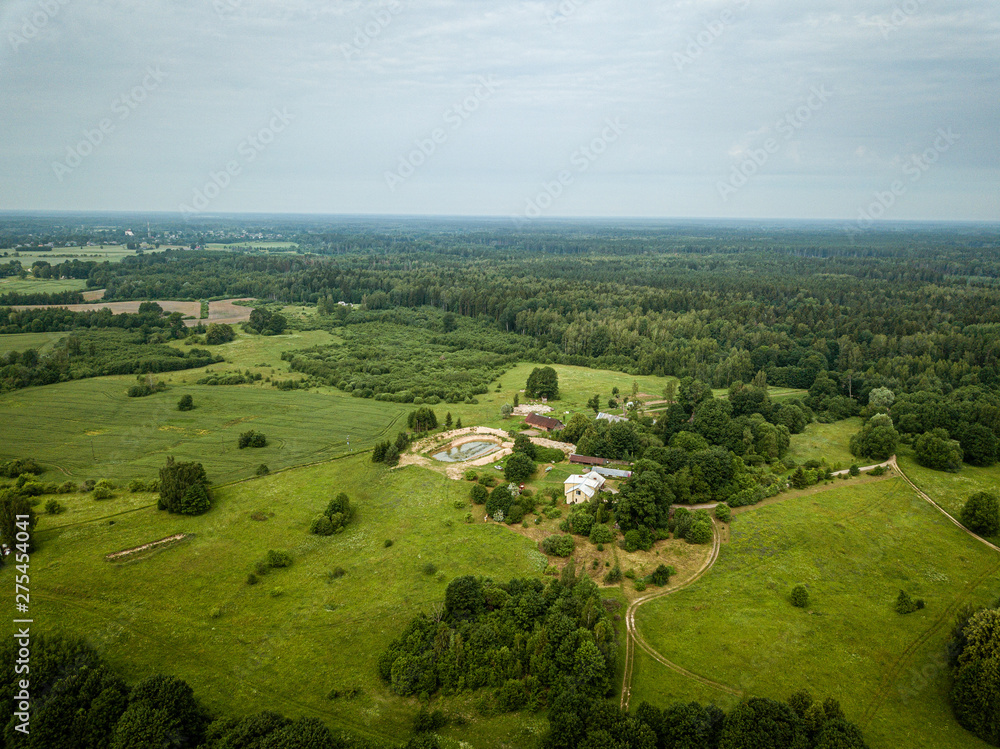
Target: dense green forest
x,y
919,311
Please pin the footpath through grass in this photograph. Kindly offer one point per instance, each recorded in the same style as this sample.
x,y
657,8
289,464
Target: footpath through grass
x,y
854,547
286,643
951,490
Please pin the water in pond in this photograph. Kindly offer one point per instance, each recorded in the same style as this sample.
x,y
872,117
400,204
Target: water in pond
x,y
467,451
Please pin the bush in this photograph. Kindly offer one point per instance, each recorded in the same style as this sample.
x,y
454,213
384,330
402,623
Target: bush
x,y
263,470
614,575
854,470
279,559
186,403
661,576
981,514
67,487
54,507
601,534
13,468
800,596
723,512
252,439
195,500
251,579
321,526
519,467
103,492
478,494
429,568
388,543
638,538
700,532
640,585
905,604
935,450
560,546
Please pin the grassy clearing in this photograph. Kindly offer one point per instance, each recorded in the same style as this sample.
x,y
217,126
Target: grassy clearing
x,y
187,609
577,385
41,342
854,547
102,433
826,442
111,253
951,490
32,285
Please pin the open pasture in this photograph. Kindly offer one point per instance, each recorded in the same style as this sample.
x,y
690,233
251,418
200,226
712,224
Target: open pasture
x,y
31,285
289,641
91,429
854,548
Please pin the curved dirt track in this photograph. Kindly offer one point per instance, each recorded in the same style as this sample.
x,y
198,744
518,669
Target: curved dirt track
x,y
633,637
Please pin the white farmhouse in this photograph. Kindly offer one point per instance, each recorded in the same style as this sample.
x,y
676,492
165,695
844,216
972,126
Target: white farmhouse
x,y
582,487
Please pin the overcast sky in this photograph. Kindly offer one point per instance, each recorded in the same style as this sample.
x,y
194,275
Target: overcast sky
x,y
845,109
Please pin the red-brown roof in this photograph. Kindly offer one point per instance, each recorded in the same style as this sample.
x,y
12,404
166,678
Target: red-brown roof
x,y
587,460
543,421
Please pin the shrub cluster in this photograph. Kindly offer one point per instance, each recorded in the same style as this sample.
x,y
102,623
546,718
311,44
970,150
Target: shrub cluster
x,y
338,513
252,439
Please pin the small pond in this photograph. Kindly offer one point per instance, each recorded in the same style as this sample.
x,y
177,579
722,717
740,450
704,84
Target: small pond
x,y
466,451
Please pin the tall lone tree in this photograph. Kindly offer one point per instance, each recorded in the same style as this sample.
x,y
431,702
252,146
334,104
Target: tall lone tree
x,y
177,488
542,383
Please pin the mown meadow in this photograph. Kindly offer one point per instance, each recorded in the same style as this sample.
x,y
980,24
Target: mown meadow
x,y
854,547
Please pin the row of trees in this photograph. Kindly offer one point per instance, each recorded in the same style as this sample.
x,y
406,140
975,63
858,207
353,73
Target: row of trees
x,y
757,723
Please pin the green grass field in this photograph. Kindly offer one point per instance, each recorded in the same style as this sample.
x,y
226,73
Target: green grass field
x,y
112,253
256,244
41,342
855,547
91,429
32,285
826,442
951,490
187,610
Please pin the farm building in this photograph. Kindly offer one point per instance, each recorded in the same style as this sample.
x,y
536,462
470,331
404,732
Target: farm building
x,y
610,417
612,473
543,422
586,460
582,488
